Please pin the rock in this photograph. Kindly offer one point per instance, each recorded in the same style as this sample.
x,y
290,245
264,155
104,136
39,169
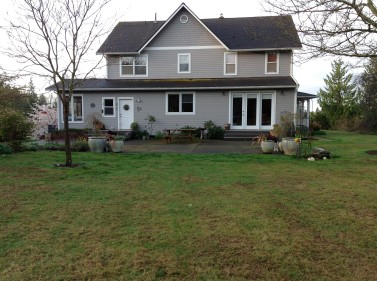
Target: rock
x,y
320,153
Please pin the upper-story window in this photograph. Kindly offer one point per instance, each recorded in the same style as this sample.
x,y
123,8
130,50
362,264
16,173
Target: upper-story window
x,y
230,63
184,63
134,66
272,62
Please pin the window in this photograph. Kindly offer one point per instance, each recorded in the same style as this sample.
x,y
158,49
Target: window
x,y
134,66
108,107
75,109
180,103
230,63
184,63
272,63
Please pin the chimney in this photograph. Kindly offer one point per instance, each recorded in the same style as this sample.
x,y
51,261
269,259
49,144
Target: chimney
x,y
221,16
155,17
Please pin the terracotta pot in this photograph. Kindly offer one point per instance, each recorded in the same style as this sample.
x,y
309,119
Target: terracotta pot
x,y
267,146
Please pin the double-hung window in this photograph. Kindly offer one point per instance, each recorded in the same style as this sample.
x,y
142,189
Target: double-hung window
x,y
108,107
230,63
272,63
75,109
184,63
134,66
180,103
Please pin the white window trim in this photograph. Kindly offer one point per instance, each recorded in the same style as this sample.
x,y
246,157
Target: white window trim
x,y
236,62
178,62
277,63
83,113
103,106
134,75
180,103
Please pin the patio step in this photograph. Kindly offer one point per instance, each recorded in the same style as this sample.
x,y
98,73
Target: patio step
x,y
241,134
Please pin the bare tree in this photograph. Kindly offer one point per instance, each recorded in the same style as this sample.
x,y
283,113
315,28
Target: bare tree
x,y
341,27
52,38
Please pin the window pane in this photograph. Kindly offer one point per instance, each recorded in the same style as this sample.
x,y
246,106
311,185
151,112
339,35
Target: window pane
x,y
251,111
266,110
184,67
187,107
271,67
141,60
237,111
109,102
272,57
230,58
173,103
109,111
230,68
127,61
187,98
77,108
127,70
140,70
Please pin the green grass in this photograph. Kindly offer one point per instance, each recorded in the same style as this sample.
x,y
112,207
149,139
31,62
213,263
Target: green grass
x,y
191,217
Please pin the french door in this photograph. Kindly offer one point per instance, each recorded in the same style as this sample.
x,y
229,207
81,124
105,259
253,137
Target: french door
x,y
252,110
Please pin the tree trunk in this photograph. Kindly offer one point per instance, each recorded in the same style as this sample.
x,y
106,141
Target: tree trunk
x,y
67,141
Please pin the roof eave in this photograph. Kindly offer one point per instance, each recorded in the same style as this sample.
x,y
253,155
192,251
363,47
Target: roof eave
x,y
266,49
117,53
186,88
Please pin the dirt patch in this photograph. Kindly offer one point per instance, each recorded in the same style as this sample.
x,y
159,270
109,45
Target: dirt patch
x,y
372,152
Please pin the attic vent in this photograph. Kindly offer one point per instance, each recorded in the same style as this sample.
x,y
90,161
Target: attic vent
x,y
183,18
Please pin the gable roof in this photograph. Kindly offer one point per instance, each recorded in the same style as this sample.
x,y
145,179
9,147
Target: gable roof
x,y
238,34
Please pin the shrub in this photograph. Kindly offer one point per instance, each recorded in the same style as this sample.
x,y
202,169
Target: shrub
x,y
159,135
5,148
15,127
80,145
136,133
214,131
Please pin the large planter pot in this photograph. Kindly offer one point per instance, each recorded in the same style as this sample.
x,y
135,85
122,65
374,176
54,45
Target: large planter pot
x,y
97,144
267,146
284,142
116,145
290,147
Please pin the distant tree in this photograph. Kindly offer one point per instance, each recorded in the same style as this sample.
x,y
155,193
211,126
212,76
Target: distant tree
x,y
338,100
335,27
54,36
13,96
368,95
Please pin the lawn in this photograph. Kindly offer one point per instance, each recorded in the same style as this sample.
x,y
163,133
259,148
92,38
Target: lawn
x,y
191,217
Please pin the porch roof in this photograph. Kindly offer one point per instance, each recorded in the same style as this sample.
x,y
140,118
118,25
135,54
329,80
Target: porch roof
x,y
90,85
305,96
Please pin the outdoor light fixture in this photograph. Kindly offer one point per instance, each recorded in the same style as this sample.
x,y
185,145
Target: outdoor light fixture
x,y
139,100
282,93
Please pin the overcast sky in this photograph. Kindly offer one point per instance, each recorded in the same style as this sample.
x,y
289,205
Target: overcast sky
x,y
309,75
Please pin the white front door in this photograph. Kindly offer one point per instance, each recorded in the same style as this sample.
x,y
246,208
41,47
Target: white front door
x,y
126,113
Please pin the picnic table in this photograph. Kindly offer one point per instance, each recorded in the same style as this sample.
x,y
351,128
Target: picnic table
x,y
183,133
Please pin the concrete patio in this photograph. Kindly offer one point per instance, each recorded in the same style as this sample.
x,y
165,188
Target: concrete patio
x,y
198,147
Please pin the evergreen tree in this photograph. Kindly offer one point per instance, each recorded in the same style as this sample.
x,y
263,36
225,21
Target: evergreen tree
x,y
368,95
338,100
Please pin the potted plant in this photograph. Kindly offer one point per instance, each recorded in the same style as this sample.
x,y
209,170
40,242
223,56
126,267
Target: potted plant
x,y
116,143
267,143
144,134
97,143
150,119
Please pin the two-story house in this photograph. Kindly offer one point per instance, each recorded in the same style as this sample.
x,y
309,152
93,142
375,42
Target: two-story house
x,y
186,70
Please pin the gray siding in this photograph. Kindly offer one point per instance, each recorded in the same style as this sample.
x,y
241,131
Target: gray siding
x,y
209,106
205,63
191,33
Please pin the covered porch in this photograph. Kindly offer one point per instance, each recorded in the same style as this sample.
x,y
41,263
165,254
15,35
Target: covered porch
x,y
303,108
